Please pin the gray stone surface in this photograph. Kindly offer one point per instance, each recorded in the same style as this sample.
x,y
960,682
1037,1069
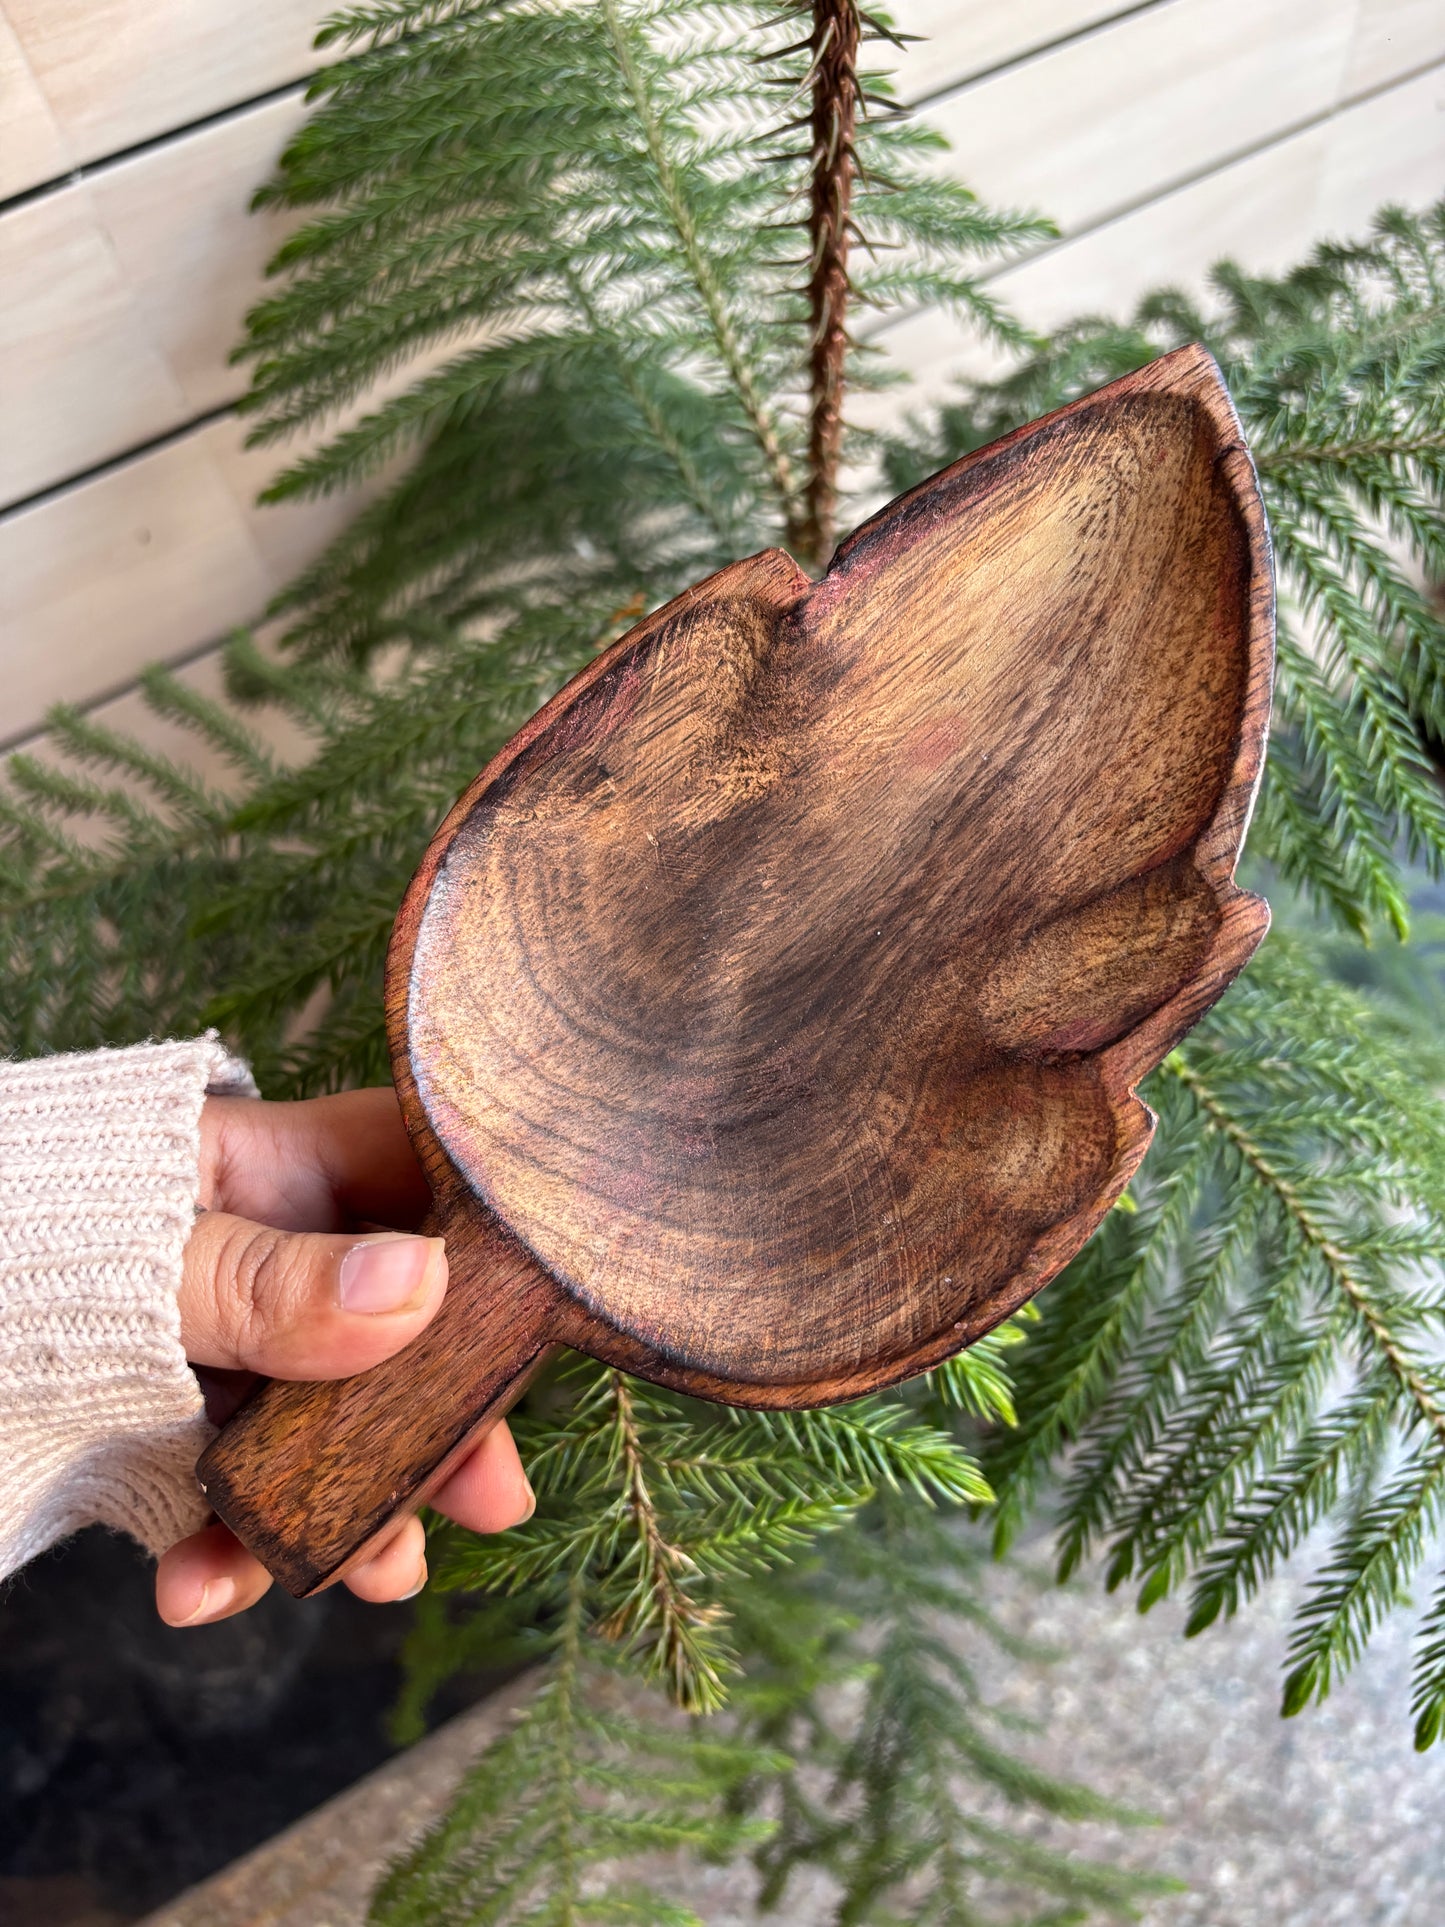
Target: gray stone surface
x,y
1329,1820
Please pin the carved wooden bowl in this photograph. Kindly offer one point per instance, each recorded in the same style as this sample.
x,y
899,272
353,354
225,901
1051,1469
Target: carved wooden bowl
x,y
767,1014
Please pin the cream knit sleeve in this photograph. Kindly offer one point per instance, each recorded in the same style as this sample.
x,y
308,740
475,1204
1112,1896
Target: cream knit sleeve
x,y
101,1418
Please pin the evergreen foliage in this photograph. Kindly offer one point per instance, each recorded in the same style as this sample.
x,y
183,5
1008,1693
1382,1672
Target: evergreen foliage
x,y
602,257
667,1504
578,1785
591,203
908,1801
1254,1349
864,1741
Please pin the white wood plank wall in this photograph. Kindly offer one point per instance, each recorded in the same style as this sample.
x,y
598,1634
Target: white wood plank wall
x,y
1158,135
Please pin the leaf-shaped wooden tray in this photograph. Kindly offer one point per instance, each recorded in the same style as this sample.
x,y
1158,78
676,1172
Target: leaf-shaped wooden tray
x,y
767,1015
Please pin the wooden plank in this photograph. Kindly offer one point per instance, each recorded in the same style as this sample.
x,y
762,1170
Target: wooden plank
x,y
1265,211
188,256
1125,113
80,381
139,564
33,148
160,554
132,716
1393,37
1389,148
125,294
128,302
287,535
1389,37
958,40
193,254
117,72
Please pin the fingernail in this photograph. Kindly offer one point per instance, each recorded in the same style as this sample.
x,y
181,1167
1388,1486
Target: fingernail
x,y
531,1500
386,1273
420,1584
217,1596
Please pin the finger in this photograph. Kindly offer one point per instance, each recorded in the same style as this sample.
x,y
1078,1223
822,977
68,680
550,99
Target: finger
x,y
313,1166
398,1571
295,1305
208,1577
489,1491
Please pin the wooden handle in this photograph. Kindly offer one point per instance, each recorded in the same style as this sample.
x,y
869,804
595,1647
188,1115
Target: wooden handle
x,y
310,1477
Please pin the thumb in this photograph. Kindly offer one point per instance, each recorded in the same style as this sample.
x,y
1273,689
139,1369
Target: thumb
x,y
303,1304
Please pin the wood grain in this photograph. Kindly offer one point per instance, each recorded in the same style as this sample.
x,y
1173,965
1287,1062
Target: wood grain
x,y
191,247
34,148
80,380
1393,37
957,42
818,922
767,1014
139,563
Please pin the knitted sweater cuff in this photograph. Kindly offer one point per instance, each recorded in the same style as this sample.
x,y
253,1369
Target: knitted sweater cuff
x,y
101,1418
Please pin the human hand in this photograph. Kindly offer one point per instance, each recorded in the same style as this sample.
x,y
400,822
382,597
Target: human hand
x,y
274,1283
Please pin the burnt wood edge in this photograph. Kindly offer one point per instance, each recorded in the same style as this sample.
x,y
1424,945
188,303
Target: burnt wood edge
x,y
774,576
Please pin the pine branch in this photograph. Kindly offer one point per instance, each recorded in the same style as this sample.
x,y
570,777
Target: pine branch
x,y
1387,448
915,1824
702,497
659,1600
1412,1382
833,48
540,1824
665,1510
1285,1319
1428,1704
1079,1357
1365,1579
630,359
701,269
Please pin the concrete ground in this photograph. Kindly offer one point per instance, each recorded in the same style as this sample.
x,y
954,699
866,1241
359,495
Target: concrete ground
x,y
1329,1820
